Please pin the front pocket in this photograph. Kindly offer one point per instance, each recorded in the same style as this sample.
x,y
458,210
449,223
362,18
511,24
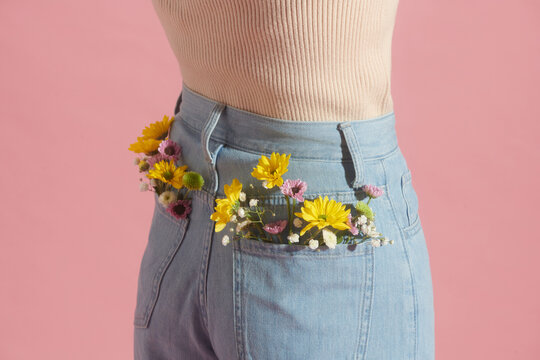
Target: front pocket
x,y
410,204
292,302
166,235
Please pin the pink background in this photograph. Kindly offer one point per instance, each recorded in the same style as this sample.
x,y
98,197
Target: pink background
x,y
79,80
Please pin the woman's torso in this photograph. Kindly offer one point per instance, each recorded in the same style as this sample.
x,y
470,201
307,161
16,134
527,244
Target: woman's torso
x,y
304,60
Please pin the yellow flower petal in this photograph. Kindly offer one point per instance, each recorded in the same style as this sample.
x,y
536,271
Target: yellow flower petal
x,y
271,169
158,129
324,212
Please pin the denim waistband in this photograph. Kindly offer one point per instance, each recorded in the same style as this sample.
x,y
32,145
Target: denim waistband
x,y
356,140
249,131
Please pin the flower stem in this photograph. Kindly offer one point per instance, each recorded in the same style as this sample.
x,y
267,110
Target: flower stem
x,y
288,213
368,200
317,233
261,228
292,215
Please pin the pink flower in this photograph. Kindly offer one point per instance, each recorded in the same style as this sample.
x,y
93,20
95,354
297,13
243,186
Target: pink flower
x,y
372,190
275,227
170,149
294,189
156,158
180,208
353,229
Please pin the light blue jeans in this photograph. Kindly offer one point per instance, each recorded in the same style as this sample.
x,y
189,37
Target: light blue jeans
x,y
199,299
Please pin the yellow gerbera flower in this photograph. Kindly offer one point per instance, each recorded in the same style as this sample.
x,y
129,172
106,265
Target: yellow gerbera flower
x,y
146,146
323,212
270,170
159,129
167,172
223,209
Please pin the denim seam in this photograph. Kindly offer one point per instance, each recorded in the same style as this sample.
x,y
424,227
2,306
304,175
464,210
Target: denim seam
x,y
414,295
359,328
366,307
346,196
207,238
407,258
413,228
316,256
250,151
238,311
179,233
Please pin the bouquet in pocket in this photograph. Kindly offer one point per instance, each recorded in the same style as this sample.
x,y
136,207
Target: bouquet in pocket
x,y
308,222
157,161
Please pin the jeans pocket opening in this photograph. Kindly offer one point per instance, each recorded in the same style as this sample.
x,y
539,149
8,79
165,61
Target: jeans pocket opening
x,y
164,239
410,200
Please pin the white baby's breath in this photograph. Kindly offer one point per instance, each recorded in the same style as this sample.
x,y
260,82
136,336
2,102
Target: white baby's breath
x,y
385,241
241,212
364,228
225,240
362,219
294,238
375,242
265,184
242,225
329,238
253,202
313,244
242,196
233,218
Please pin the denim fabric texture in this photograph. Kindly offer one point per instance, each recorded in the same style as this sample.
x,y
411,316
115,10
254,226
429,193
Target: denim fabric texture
x,y
199,299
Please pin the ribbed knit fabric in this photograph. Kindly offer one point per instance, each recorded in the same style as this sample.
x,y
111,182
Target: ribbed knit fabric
x,y
304,60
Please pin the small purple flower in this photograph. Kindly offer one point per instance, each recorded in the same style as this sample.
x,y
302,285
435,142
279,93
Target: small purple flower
x,y
294,189
275,227
373,191
353,229
170,149
180,208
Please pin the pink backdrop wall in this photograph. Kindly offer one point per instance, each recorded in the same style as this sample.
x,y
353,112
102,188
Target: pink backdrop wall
x,y
79,80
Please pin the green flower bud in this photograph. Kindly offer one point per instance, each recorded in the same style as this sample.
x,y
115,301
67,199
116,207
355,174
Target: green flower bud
x,y
193,180
364,209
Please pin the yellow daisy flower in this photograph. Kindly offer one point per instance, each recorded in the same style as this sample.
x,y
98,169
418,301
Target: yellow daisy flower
x,y
222,215
167,172
271,170
159,129
147,146
153,134
323,212
223,209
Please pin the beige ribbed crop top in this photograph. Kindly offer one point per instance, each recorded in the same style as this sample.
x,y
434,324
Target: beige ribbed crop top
x,y
304,60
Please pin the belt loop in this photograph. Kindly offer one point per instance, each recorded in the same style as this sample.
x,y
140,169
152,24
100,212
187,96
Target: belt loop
x,y
206,132
356,152
178,101
207,129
